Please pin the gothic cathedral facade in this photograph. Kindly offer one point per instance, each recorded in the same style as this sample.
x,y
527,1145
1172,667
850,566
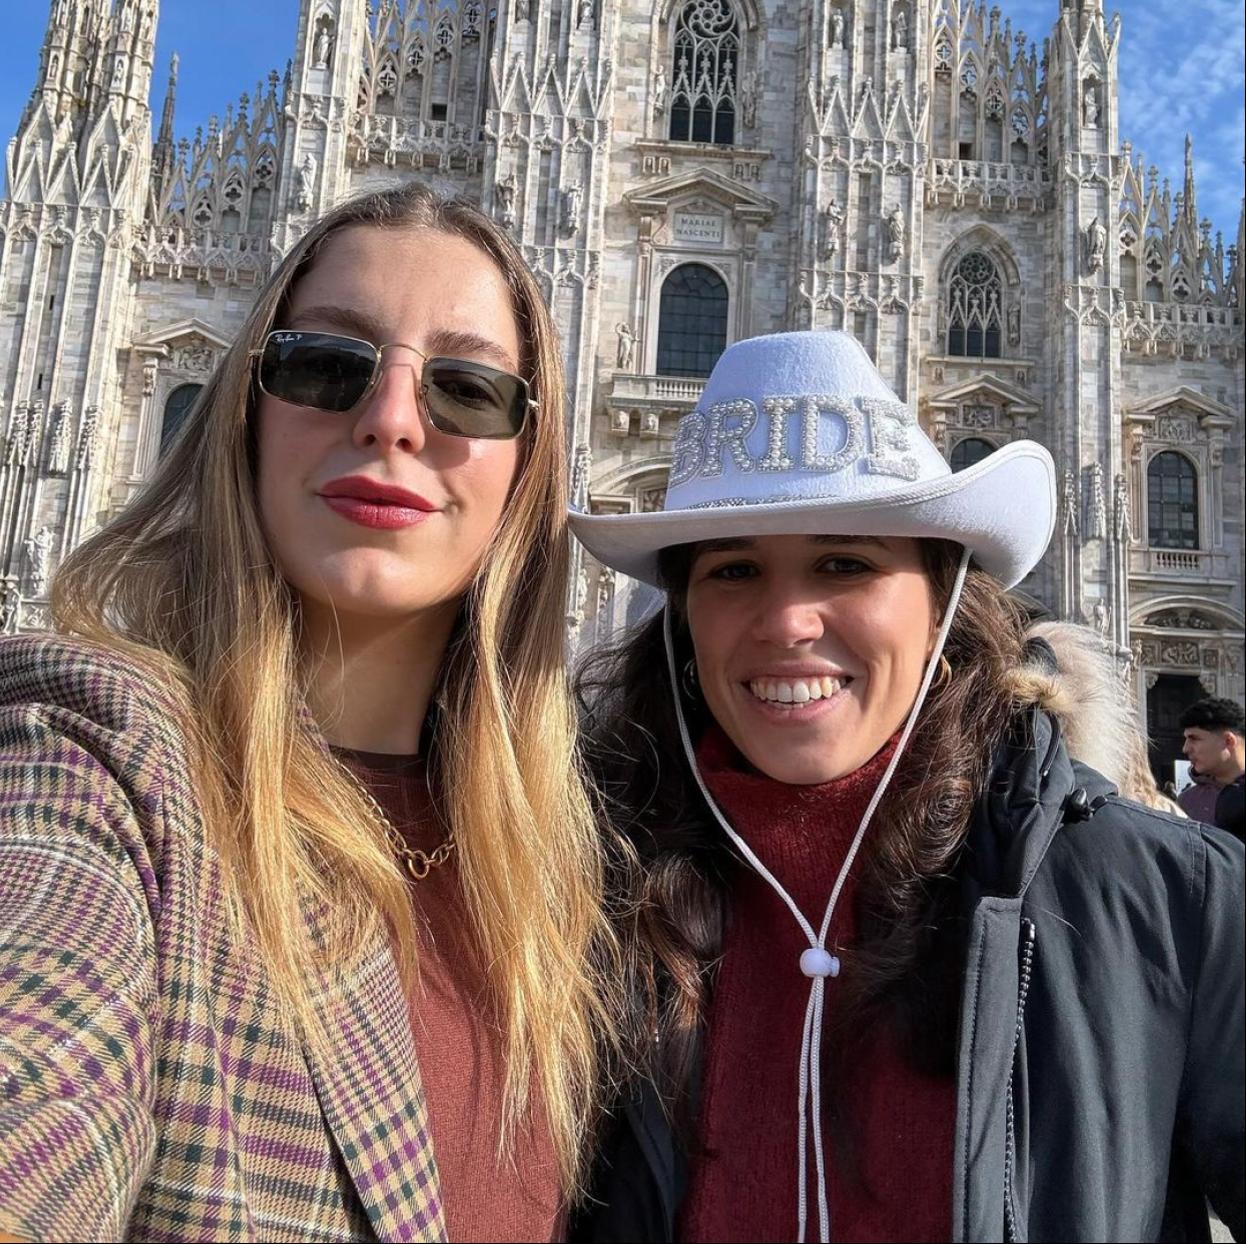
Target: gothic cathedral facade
x,y
680,174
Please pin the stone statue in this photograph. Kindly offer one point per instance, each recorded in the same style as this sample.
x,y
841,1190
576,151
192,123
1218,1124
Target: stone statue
x,y
1069,504
1100,616
506,201
900,31
521,10
1096,239
659,91
10,608
85,455
322,49
305,194
1014,325
58,442
1120,510
837,28
748,99
584,12
127,17
118,72
39,558
627,347
1090,106
895,233
572,200
581,465
830,219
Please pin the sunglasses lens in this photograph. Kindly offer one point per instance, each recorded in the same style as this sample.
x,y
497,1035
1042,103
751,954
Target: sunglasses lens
x,y
470,399
316,369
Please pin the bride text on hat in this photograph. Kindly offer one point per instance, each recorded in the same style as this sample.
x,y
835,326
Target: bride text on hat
x,y
872,431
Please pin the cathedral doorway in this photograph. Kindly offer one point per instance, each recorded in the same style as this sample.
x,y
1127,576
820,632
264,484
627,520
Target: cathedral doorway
x,y
1170,696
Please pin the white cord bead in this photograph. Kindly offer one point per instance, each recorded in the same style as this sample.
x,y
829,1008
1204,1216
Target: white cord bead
x,y
819,962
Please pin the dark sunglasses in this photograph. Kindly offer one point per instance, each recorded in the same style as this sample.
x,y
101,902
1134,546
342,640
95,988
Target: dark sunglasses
x,y
335,373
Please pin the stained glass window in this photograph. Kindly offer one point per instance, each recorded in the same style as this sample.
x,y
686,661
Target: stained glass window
x,y
176,407
1172,502
973,313
692,321
705,64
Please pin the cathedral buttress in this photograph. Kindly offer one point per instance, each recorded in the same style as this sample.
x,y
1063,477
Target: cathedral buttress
x,y
76,182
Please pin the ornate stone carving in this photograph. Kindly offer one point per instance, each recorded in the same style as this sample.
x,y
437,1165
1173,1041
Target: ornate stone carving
x,y
900,30
1090,106
1121,525
659,91
10,608
58,441
306,191
1094,240
837,28
1182,619
1179,652
1068,502
84,457
196,357
581,466
748,99
569,211
1097,516
322,48
586,11
1100,616
830,221
620,422
39,559
626,347
895,233
505,198
1014,325
1181,429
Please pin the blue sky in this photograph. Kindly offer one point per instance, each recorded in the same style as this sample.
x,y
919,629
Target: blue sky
x,y
1181,69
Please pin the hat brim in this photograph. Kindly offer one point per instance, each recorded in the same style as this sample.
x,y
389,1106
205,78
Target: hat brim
x,y
1002,509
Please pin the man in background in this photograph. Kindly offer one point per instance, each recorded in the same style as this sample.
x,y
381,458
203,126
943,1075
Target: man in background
x,y
1215,746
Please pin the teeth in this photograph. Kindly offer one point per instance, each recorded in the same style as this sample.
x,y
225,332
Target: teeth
x,y
794,691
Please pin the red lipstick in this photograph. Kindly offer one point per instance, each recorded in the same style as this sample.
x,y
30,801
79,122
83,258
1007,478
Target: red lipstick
x,y
370,503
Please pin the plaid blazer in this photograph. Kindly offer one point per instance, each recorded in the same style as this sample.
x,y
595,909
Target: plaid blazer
x,y
148,1090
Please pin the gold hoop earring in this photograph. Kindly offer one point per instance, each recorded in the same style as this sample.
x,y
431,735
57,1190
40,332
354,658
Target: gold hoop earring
x,y
944,675
689,683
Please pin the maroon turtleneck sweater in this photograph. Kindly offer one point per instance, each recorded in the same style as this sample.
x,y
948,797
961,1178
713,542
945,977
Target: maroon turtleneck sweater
x,y
889,1144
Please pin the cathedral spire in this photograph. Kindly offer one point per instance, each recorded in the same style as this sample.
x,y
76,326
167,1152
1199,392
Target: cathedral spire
x,y
164,153
1188,193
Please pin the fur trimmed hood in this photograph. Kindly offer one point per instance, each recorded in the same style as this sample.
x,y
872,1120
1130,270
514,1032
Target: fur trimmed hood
x,y
1094,706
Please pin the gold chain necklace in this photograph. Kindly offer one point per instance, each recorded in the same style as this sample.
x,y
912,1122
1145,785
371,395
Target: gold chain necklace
x,y
417,863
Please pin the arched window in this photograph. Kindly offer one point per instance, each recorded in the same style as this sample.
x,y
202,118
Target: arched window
x,y
972,449
705,64
692,321
176,407
1172,502
974,296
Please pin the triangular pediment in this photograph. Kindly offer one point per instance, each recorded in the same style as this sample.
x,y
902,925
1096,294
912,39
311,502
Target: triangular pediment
x,y
987,389
1187,399
658,196
185,328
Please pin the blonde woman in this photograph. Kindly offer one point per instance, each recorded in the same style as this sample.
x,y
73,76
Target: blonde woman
x,y
299,887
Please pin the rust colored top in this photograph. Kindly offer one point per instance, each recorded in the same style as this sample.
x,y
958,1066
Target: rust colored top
x,y
486,1197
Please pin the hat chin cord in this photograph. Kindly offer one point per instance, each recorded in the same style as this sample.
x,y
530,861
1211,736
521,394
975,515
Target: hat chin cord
x,y
816,962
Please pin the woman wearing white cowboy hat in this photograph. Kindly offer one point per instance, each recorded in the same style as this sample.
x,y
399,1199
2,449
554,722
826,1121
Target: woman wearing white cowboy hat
x,y
909,970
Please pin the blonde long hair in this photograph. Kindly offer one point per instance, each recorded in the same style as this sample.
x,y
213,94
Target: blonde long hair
x,y
184,581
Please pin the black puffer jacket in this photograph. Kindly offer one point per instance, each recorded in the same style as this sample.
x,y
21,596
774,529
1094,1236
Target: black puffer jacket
x,y
1101,1050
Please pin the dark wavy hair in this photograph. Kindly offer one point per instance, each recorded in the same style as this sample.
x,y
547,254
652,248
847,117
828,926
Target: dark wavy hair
x,y
905,965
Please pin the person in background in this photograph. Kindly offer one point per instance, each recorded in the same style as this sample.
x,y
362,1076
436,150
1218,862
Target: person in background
x,y
1216,749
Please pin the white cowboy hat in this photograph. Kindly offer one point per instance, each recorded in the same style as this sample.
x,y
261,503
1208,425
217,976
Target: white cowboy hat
x,y
798,434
